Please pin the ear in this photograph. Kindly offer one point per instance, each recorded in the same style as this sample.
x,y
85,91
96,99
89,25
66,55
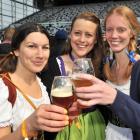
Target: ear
x,y
16,52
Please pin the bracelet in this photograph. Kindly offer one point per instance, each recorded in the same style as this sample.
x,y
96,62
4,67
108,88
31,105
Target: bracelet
x,y
27,133
24,131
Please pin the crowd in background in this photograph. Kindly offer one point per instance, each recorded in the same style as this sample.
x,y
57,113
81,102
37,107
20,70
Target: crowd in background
x,y
30,59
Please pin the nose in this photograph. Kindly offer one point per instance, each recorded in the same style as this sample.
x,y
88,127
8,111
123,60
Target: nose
x,y
40,52
114,34
82,38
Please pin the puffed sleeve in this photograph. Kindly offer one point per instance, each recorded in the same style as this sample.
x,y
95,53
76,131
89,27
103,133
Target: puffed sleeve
x,y
5,106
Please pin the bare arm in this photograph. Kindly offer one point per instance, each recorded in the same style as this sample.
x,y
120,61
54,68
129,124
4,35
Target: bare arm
x,y
50,118
5,134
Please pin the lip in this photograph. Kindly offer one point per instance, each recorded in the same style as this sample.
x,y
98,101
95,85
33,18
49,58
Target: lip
x,y
38,63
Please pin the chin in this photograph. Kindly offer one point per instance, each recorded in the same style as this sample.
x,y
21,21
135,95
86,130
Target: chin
x,y
117,50
37,70
81,55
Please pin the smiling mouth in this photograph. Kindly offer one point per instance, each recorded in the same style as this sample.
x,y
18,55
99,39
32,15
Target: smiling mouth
x,y
38,63
81,46
115,42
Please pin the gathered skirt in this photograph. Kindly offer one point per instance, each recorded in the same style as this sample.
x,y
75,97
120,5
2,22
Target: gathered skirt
x,y
91,127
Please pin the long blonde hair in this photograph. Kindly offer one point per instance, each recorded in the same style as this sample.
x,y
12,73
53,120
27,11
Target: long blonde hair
x,y
134,25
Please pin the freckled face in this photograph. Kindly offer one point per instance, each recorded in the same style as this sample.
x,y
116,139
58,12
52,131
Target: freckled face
x,y
83,37
33,52
118,32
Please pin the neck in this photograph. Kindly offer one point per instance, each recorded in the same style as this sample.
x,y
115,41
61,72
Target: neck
x,y
122,59
26,76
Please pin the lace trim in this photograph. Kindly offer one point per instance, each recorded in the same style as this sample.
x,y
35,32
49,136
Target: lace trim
x,y
5,124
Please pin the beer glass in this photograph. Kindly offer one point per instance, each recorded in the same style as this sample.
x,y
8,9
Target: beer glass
x,y
62,91
82,65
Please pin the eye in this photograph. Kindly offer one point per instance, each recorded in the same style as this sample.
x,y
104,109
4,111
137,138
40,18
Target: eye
x,y
121,30
108,30
89,35
46,47
32,46
77,33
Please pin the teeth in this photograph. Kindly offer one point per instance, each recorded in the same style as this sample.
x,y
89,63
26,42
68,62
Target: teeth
x,y
81,46
115,43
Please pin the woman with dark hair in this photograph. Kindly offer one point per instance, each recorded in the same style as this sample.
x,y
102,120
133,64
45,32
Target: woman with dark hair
x,y
85,40
30,111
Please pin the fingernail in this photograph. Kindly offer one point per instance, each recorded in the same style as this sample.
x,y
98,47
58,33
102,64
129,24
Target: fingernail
x,y
65,111
66,118
66,122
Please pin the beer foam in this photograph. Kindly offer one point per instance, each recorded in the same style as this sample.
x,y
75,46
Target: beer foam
x,y
62,92
75,76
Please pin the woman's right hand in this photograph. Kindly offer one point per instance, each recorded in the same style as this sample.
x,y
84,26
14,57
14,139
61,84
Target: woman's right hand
x,y
50,118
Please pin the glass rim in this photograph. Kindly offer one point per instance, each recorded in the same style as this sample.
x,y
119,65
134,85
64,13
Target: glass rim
x,y
77,59
62,76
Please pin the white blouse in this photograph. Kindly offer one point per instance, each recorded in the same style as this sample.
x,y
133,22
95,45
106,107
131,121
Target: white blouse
x,y
22,109
125,88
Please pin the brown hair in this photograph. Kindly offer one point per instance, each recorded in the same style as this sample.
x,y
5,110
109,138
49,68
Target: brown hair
x,y
134,25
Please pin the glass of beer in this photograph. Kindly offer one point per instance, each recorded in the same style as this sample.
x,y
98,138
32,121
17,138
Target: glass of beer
x,y
62,91
82,65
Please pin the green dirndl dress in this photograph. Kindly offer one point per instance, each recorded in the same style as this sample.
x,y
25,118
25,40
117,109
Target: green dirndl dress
x,y
92,127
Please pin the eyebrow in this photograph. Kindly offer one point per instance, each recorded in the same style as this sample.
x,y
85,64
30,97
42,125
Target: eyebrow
x,y
36,43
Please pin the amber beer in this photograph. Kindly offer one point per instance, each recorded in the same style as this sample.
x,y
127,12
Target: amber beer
x,y
79,82
62,96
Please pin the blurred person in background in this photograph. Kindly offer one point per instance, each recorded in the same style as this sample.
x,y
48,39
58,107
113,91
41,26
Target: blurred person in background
x,y
58,43
5,46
